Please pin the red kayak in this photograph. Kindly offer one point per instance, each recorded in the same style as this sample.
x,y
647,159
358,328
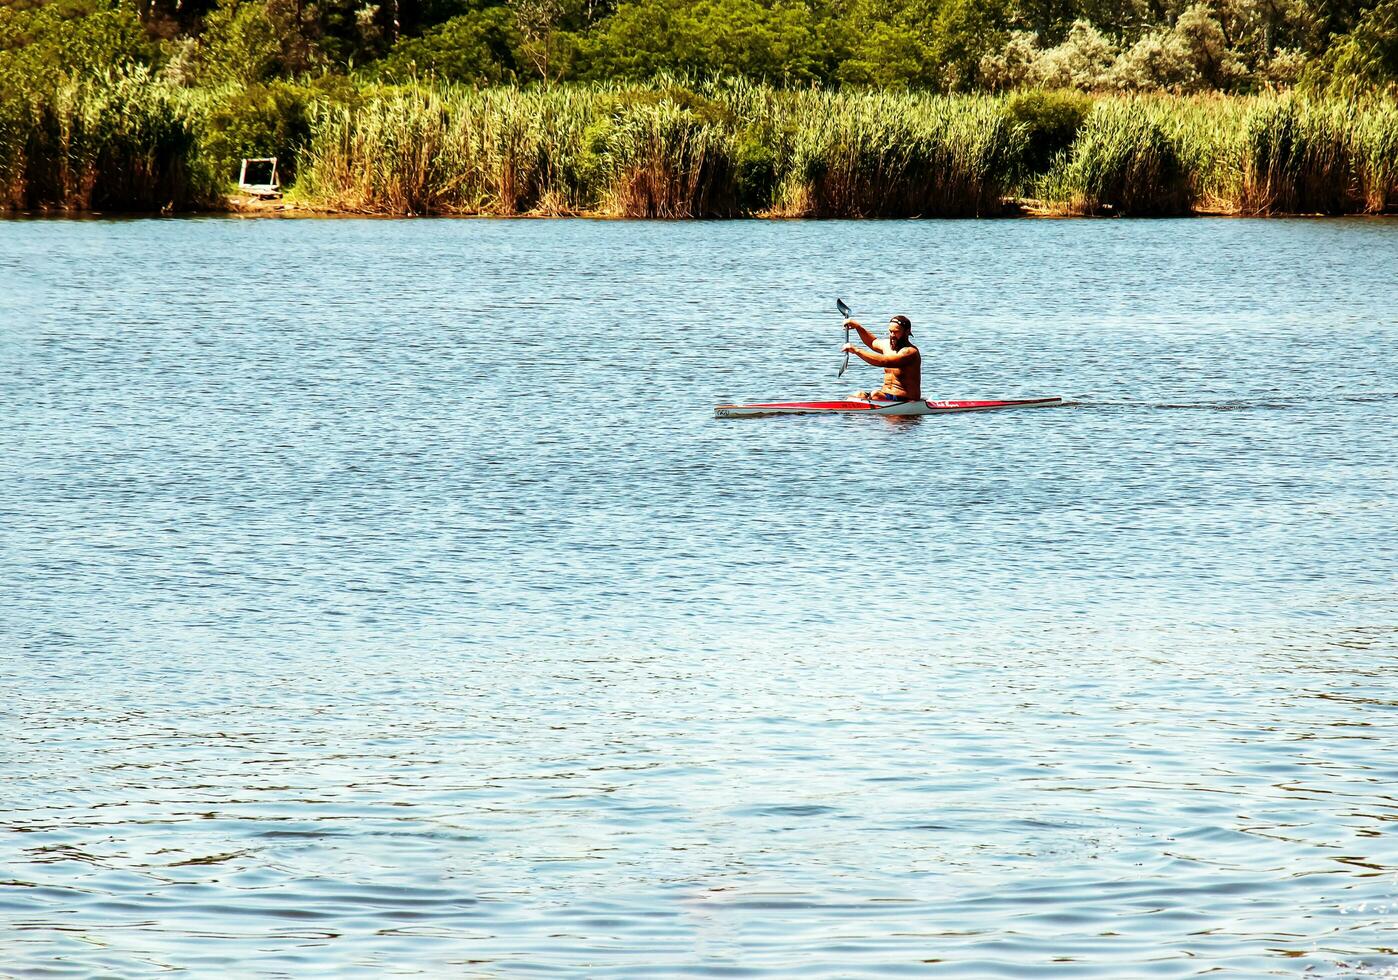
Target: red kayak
x,y
857,407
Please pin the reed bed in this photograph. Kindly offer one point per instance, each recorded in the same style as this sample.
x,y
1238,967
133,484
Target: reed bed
x,y
676,149
1296,158
721,151
1205,130
120,142
511,151
1284,154
395,154
1376,156
1123,161
898,155
661,161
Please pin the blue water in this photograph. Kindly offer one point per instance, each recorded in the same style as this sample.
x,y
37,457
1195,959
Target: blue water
x,y
383,597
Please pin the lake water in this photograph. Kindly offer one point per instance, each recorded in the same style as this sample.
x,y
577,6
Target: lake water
x,y
382,597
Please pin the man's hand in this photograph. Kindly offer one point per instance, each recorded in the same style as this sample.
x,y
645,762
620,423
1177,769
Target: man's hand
x,y
858,328
849,349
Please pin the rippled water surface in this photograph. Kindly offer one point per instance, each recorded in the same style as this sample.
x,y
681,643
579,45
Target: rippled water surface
x,y
383,597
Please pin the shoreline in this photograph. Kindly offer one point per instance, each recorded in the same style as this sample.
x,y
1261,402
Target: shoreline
x,y
240,206
1012,208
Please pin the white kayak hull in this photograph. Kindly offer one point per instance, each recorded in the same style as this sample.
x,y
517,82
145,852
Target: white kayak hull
x,y
857,407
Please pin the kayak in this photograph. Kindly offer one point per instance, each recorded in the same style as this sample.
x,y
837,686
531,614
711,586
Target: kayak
x,y
857,407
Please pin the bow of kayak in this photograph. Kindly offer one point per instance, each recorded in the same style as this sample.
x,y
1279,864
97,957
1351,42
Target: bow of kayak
x,y
857,407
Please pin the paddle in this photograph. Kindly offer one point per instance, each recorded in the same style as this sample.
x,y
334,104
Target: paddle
x,y
844,312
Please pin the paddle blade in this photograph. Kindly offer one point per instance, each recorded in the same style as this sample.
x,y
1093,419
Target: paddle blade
x,y
844,312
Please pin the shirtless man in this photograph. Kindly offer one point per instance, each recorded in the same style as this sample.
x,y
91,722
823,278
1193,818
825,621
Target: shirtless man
x,y
900,360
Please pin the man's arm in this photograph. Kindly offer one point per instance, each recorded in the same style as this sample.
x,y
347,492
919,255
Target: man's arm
x,y
879,358
858,328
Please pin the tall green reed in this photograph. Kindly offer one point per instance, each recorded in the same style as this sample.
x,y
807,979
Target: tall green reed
x,y
392,153
890,154
669,154
1375,139
665,151
418,149
712,148
1123,161
1297,158
123,141
15,125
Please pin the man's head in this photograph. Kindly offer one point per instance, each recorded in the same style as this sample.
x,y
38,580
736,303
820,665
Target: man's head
x,y
900,328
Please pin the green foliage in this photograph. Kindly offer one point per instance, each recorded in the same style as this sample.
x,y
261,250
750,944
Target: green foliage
x,y
1050,121
661,159
1365,60
69,38
264,119
1122,162
16,125
1083,60
1122,18
1297,158
673,149
250,41
665,152
1375,139
478,47
1192,55
420,150
887,55
963,33
777,43
118,142
886,155
756,161
385,154
781,106
1344,47
239,45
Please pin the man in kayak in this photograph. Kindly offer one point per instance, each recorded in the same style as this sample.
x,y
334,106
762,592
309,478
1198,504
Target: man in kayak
x,y
900,360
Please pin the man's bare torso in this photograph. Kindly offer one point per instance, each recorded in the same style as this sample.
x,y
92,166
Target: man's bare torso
x,y
903,380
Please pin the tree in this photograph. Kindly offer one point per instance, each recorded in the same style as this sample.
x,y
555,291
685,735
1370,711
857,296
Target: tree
x,y
888,56
1201,36
1084,60
479,47
962,33
781,43
537,22
1366,59
71,37
247,41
